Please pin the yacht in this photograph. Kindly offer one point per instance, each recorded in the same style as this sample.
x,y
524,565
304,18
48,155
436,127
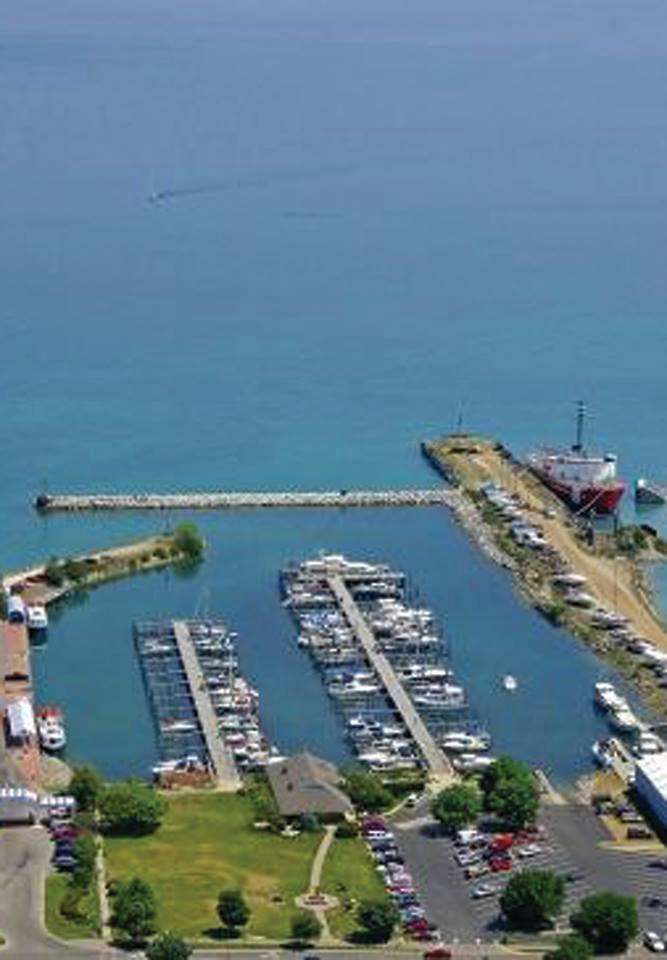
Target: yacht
x,y
36,617
623,718
602,753
509,683
462,742
606,696
174,726
648,744
51,729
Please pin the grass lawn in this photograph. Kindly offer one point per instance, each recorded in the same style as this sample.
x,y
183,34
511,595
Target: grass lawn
x,y
206,843
59,926
349,874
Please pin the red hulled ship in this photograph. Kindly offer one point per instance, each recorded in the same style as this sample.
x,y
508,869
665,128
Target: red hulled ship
x,y
585,481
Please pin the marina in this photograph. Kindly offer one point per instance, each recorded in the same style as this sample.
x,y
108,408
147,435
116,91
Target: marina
x,y
383,663
205,712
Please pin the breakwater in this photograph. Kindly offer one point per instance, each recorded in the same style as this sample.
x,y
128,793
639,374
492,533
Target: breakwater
x,y
228,500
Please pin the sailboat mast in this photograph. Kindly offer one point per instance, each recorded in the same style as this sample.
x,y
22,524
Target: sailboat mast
x,y
581,415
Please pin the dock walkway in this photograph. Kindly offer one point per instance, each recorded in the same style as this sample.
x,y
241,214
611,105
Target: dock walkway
x,y
227,500
438,764
222,761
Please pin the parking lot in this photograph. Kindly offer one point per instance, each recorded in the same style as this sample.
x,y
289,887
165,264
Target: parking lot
x,y
572,846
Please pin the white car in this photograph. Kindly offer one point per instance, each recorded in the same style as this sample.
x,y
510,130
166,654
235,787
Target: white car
x,y
653,942
484,890
531,850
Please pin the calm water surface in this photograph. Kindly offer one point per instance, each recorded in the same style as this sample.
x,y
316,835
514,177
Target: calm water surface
x,y
375,216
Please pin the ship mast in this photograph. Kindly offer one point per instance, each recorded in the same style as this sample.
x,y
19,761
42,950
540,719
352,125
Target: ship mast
x,y
581,415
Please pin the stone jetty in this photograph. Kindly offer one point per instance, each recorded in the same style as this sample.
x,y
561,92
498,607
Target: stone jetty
x,y
224,500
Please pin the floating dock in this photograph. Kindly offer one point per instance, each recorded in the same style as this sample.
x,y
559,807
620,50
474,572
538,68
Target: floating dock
x,y
223,500
382,661
437,763
206,713
222,760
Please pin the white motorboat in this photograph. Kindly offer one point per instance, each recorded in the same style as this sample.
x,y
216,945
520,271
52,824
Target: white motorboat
x,y
601,751
579,598
51,729
177,726
607,698
648,744
623,719
36,617
569,580
509,683
462,742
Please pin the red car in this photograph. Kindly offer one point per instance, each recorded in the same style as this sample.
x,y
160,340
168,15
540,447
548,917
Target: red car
x,y
438,953
500,864
502,842
65,833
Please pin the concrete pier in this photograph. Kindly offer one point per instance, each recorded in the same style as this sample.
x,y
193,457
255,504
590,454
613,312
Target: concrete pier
x,y
221,759
229,500
438,764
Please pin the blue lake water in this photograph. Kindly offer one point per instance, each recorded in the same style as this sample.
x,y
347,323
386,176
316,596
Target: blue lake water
x,y
375,216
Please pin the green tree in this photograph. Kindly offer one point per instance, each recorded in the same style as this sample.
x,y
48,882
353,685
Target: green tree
x,y
53,572
188,541
608,921
134,910
233,910
85,850
86,787
305,927
510,791
167,946
377,919
130,808
457,805
533,899
366,790
571,947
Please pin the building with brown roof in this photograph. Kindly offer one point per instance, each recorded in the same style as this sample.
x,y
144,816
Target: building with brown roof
x,y
306,784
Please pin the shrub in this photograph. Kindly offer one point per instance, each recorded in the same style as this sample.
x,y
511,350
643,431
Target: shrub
x,y
131,808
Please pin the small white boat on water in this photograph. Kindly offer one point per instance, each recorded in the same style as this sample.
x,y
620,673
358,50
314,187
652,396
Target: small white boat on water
x,y
648,744
509,683
607,698
623,719
36,617
463,742
602,753
51,729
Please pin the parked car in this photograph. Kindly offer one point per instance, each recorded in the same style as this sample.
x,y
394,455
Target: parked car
x,y
412,800
500,864
476,870
501,842
484,890
653,942
467,836
64,862
531,850
638,832
438,953
466,858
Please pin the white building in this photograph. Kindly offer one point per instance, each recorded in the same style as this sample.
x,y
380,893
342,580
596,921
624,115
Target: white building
x,y
651,784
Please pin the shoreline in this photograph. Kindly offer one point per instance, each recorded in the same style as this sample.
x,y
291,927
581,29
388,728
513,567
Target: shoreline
x,y
619,585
